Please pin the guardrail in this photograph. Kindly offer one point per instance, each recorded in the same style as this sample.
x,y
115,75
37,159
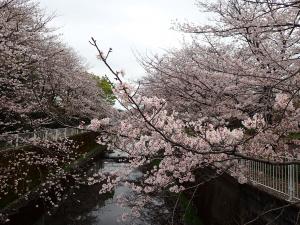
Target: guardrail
x,y
16,140
283,179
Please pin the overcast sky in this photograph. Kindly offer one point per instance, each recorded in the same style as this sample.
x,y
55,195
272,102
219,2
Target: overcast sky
x,y
127,26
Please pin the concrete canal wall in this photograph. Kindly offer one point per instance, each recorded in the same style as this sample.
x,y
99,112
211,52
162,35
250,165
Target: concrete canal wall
x,y
223,201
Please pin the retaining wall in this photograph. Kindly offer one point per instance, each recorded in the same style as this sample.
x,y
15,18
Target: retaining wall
x,y
224,201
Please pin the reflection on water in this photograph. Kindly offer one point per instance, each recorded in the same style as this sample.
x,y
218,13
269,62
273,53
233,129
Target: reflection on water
x,y
87,207
116,154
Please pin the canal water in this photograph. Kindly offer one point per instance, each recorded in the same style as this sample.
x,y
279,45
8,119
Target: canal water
x,y
87,207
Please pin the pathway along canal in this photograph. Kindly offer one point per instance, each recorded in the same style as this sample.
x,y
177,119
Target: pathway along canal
x,y
88,207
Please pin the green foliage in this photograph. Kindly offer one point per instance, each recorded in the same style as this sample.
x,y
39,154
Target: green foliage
x,y
107,88
294,135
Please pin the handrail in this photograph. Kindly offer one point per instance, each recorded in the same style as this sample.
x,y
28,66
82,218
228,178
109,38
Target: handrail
x,y
283,179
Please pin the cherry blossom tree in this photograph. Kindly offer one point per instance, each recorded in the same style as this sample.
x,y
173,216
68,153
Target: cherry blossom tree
x,y
231,94
42,80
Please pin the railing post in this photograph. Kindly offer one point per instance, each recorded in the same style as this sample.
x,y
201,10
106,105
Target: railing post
x,y
56,135
297,182
46,135
17,140
291,182
65,133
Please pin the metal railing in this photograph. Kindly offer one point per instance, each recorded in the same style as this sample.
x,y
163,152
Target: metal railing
x,y
283,179
21,139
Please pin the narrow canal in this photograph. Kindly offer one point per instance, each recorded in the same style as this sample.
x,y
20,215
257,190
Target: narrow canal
x,y
88,207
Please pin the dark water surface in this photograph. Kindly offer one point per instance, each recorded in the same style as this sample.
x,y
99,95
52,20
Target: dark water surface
x,y
88,207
